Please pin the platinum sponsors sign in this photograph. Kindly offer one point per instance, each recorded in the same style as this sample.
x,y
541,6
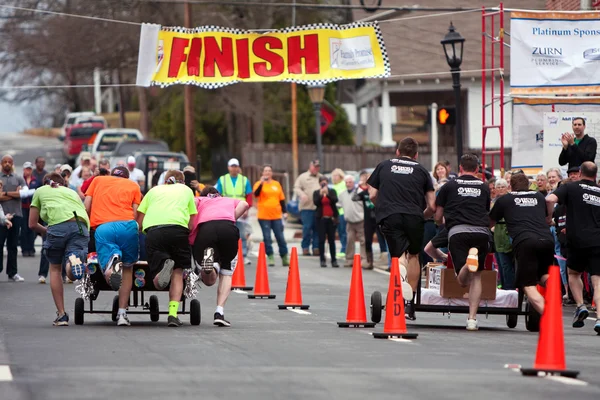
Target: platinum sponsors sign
x,y
555,53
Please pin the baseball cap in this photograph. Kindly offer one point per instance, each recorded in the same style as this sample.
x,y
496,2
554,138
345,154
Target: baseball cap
x,y
57,166
27,165
189,168
573,169
232,162
66,167
86,155
131,160
152,159
315,163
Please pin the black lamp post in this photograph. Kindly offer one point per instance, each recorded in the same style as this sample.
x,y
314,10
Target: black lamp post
x,y
316,94
453,49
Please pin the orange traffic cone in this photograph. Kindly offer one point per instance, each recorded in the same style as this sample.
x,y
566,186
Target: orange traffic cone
x,y
395,320
261,282
238,280
293,292
357,313
550,356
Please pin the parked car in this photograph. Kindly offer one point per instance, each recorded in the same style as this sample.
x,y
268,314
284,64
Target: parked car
x,y
91,118
77,136
70,120
127,148
106,140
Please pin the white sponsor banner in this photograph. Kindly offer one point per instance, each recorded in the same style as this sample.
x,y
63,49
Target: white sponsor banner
x,y
555,52
557,123
528,127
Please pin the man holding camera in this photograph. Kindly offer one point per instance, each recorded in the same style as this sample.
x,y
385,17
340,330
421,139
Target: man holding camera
x,y
326,215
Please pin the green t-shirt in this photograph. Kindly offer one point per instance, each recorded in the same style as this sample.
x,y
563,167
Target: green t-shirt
x,y
339,188
168,205
577,141
57,205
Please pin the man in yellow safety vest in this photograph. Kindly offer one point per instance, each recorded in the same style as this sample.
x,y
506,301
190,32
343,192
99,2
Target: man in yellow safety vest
x,y
236,186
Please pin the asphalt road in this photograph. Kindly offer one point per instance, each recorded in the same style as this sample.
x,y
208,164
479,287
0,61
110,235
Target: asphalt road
x,y
269,353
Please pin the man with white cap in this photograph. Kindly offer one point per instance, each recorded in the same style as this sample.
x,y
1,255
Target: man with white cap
x,y
85,161
135,174
27,236
236,186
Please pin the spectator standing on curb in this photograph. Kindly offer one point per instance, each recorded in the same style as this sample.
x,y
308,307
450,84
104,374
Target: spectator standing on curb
x,y
504,250
304,187
271,213
326,214
39,172
355,220
10,200
337,179
370,223
27,235
577,146
236,186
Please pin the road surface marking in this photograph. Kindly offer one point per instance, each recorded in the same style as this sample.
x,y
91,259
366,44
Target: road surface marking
x,y
302,312
5,374
591,319
513,367
567,381
240,291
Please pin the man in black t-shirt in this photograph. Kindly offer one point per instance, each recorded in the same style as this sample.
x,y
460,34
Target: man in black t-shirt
x,y
463,204
525,214
582,199
403,193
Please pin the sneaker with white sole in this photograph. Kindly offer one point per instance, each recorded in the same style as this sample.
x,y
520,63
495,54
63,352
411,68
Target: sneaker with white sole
x,y
42,279
473,260
407,291
163,278
61,320
17,278
220,320
208,259
472,325
77,267
123,320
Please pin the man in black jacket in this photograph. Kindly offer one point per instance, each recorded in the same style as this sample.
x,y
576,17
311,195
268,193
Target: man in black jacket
x,y
577,147
326,217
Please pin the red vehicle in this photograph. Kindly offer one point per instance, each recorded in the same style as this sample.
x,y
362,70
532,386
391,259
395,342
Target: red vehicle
x,y
77,136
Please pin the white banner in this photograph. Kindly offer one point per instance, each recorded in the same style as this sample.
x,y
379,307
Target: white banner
x,y
528,128
557,53
557,123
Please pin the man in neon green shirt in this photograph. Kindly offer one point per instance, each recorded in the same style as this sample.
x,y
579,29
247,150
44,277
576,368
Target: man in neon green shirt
x,y
67,235
165,215
337,178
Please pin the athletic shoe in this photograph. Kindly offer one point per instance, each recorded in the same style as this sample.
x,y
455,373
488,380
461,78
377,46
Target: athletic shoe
x,y
473,260
271,260
247,261
220,320
472,325
174,321
597,326
41,279
208,259
323,264
334,264
341,254
409,310
163,278
123,320
117,274
581,313
285,261
17,278
77,267
61,320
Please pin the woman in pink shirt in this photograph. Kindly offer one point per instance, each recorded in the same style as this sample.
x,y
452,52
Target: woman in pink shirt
x,y
214,240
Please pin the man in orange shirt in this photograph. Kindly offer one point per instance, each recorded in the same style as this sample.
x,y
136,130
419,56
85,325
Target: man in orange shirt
x,y
111,203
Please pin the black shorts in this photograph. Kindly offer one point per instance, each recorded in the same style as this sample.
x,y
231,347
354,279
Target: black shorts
x,y
222,236
168,241
460,243
440,240
584,260
403,232
533,257
92,242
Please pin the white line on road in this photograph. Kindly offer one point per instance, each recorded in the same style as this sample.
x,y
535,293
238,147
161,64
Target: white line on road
x,y
240,291
5,374
567,381
302,312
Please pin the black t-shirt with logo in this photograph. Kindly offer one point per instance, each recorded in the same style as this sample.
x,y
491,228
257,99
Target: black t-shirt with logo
x,y
402,183
466,201
582,199
525,215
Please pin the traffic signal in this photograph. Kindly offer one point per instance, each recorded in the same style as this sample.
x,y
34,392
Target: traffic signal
x,y
446,116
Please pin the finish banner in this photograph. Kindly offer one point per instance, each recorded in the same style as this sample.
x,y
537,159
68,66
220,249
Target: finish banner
x,y
212,57
555,52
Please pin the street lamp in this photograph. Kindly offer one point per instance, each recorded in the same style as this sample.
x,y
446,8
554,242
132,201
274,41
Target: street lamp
x,y
453,49
316,94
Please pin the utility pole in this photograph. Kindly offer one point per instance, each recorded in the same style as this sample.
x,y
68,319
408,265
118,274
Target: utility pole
x,y
294,115
190,137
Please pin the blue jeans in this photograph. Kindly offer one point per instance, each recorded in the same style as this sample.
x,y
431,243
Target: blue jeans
x,y
310,234
507,266
27,235
275,225
341,230
561,263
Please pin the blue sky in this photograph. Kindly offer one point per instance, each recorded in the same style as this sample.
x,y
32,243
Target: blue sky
x,y
12,118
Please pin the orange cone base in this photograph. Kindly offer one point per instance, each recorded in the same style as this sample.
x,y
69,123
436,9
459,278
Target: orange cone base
x,y
356,324
383,335
261,296
546,372
244,288
300,306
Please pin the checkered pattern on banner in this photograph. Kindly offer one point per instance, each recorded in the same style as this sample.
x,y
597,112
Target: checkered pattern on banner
x,y
212,28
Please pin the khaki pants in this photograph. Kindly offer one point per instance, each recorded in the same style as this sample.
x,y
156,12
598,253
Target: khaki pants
x,y
355,231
